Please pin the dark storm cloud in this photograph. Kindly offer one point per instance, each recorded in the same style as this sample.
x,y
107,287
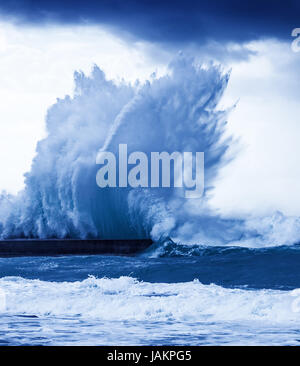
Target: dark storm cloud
x,y
169,21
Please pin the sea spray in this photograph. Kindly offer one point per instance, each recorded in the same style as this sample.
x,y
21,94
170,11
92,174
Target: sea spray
x,y
176,112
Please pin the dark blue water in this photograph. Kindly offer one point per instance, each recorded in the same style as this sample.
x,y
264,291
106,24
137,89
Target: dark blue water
x,y
172,294
270,268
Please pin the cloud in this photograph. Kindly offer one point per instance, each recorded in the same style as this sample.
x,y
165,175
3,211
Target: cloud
x,y
170,22
265,176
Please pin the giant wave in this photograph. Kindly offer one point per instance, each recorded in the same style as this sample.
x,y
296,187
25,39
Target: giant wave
x,y
176,112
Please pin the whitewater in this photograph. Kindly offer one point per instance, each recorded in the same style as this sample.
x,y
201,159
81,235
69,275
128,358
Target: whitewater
x,y
207,279
213,298
175,112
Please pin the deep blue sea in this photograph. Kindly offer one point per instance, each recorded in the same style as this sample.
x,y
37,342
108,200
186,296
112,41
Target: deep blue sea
x,y
170,295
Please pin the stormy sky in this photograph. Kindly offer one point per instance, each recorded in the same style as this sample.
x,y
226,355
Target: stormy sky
x,y
42,43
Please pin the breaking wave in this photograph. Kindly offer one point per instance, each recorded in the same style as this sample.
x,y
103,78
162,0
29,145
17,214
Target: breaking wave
x,y
127,298
176,112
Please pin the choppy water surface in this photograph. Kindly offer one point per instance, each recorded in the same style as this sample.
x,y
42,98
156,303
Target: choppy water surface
x,y
179,295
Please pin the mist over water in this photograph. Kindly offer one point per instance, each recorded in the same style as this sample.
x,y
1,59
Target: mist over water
x,y
176,112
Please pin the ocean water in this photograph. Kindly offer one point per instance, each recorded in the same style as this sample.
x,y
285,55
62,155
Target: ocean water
x,y
238,287
198,296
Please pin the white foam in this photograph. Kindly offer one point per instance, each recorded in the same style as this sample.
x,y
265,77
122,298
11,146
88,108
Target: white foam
x,y
125,298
